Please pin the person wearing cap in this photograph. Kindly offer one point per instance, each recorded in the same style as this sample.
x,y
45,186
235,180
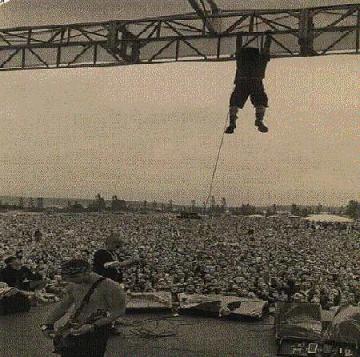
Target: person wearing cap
x,y
106,261
107,302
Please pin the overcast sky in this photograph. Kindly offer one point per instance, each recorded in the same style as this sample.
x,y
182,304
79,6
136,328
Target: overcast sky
x,y
152,132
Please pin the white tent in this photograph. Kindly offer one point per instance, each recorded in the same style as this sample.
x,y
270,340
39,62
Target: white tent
x,y
328,218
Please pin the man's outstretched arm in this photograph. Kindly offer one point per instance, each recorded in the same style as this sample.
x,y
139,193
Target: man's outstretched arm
x,y
117,264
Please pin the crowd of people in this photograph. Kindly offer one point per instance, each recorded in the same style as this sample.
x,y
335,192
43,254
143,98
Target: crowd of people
x,y
275,259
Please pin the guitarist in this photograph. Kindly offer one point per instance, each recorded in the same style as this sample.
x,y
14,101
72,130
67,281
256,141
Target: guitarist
x,y
98,302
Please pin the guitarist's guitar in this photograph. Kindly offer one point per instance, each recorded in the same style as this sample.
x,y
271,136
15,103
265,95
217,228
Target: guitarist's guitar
x,y
63,338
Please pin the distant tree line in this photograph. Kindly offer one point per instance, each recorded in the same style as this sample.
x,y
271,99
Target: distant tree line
x,y
245,210
99,204
353,209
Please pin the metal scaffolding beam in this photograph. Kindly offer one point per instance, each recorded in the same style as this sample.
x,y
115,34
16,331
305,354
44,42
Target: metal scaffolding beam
x,y
295,32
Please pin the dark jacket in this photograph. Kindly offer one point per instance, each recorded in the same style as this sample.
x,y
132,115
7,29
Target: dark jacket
x,y
101,257
250,64
19,278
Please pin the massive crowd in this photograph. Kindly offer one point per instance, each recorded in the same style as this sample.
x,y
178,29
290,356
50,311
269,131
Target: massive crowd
x,y
275,259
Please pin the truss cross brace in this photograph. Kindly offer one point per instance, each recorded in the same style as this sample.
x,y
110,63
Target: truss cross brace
x,y
306,38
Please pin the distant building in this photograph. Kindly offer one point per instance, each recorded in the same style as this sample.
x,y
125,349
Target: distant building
x,y
40,203
31,203
117,205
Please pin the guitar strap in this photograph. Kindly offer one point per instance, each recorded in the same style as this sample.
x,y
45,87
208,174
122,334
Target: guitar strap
x,y
86,299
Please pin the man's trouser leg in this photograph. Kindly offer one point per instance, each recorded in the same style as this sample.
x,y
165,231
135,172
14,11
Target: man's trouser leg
x,y
260,101
237,100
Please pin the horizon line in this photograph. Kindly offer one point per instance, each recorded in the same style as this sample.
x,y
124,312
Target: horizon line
x,y
198,203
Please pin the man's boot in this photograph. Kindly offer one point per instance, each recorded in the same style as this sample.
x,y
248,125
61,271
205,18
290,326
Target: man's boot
x,y
261,126
232,121
260,113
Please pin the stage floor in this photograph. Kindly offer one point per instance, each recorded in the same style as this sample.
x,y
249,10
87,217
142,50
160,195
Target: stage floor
x,y
20,336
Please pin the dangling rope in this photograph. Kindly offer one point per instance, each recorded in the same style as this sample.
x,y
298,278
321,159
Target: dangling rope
x,y
216,162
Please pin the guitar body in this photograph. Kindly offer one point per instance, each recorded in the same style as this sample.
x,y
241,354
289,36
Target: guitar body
x,y
64,340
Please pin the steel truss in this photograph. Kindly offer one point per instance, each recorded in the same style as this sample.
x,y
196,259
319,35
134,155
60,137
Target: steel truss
x,y
296,32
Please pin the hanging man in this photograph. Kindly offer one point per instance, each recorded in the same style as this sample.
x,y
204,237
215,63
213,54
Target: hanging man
x,y
250,71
